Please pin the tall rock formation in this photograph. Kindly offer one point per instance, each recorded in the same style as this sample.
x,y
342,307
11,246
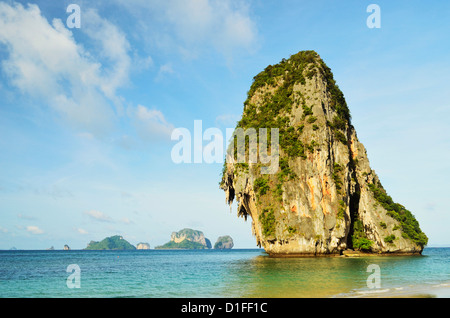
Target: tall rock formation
x,y
324,197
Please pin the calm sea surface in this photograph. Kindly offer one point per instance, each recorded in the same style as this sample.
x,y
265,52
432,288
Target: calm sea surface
x,y
213,273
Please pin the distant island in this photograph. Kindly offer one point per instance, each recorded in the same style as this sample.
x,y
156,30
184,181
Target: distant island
x,y
187,239
116,242
224,243
143,246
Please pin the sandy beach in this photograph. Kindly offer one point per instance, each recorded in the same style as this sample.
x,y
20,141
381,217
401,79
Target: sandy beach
x,y
441,290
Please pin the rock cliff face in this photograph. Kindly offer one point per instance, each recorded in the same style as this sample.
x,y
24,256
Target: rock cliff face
x,y
187,239
224,243
324,197
190,235
143,246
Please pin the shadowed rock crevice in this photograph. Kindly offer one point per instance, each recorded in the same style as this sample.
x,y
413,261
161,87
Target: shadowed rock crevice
x,y
355,191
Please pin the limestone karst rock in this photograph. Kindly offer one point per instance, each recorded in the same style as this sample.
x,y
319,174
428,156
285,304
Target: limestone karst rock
x,y
187,239
224,243
324,198
143,246
190,235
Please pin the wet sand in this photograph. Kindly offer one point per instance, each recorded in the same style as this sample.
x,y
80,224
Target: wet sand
x,y
418,291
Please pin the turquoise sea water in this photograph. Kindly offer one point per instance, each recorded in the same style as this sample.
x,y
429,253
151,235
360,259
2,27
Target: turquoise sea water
x,y
213,273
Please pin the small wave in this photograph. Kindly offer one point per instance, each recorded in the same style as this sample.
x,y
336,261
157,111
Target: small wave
x,y
373,291
442,285
424,290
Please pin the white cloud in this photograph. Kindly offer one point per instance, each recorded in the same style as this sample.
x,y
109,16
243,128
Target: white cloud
x,y
142,63
114,48
165,69
46,63
98,216
150,123
237,29
25,217
126,221
34,229
82,231
80,85
125,142
227,120
85,135
224,25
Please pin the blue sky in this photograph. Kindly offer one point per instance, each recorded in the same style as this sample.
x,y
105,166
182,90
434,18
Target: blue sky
x,y
86,114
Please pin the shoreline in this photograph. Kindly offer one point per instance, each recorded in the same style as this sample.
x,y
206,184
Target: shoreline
x,y
247,248
346,253
424,290
247,273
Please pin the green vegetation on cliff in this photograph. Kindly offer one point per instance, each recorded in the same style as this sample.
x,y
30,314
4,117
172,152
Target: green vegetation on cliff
x,y
190,234
359,238
275,108
409,225
185,244
268,222
261,185
274,111
116,242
